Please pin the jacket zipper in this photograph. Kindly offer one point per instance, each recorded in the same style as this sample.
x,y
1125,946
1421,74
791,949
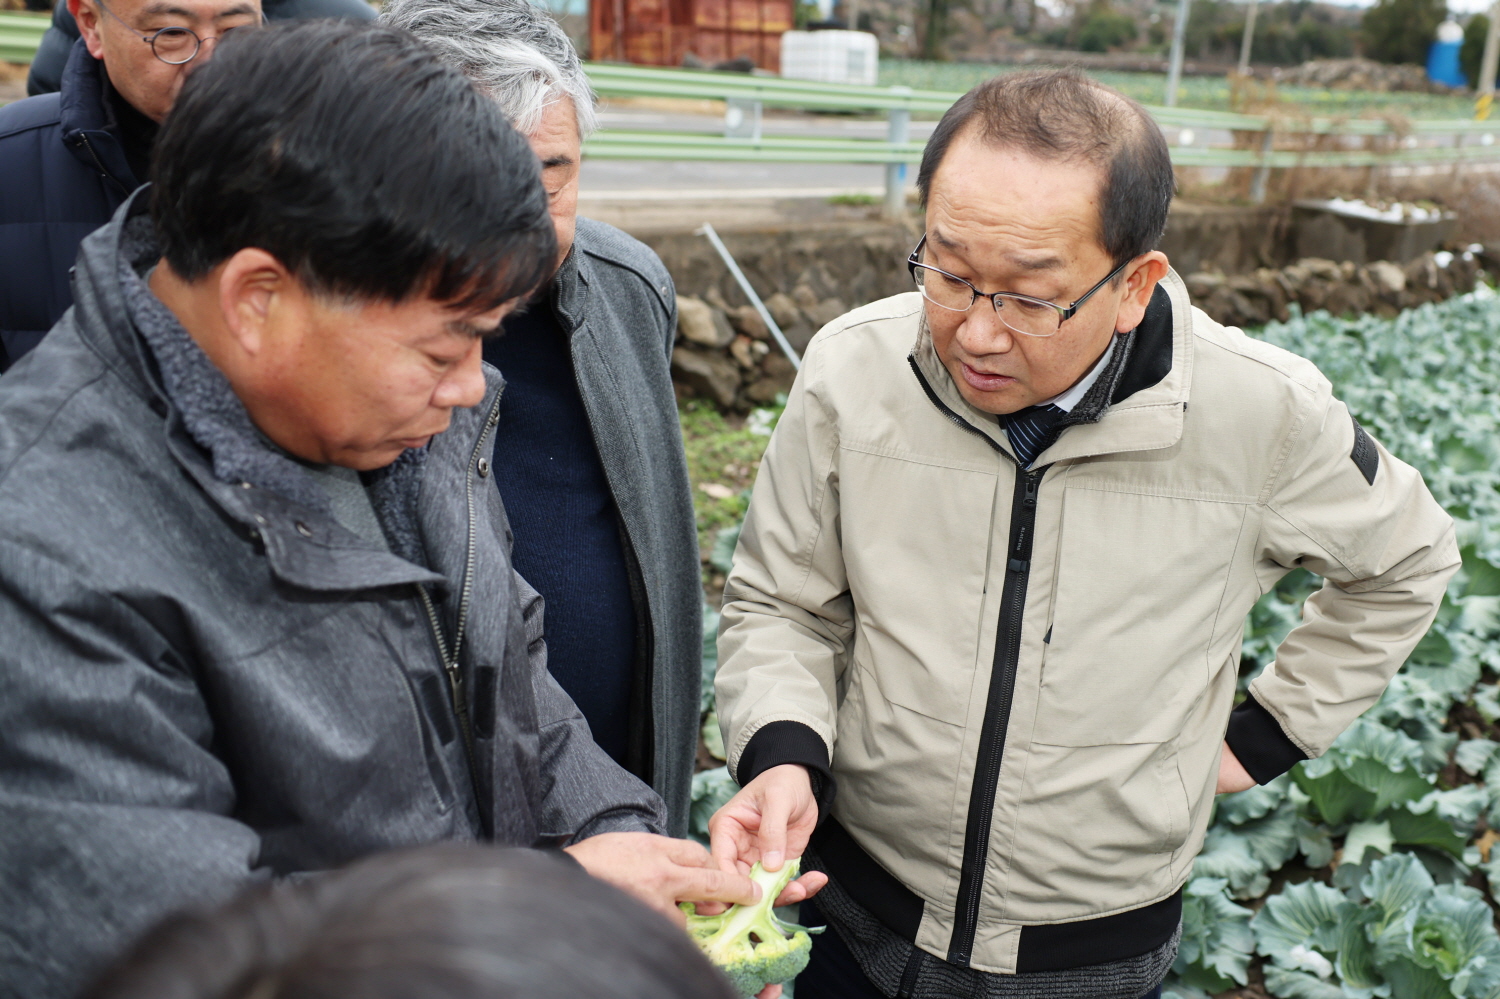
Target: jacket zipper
x,y
997,706
450,656
83,137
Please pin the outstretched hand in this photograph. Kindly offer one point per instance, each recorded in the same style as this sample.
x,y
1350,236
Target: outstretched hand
x,y
770,820
661,871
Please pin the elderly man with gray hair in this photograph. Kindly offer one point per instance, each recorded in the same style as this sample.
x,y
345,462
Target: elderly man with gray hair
x,y
588,453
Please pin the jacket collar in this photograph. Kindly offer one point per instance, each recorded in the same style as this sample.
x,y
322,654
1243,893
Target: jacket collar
x,y
210,434
1147,396
85,121
569,289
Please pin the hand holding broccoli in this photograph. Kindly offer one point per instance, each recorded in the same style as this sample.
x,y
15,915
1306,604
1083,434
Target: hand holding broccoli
x,y
771,818
661,871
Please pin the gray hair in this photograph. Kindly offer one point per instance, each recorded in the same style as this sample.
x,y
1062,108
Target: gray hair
x,y
512,50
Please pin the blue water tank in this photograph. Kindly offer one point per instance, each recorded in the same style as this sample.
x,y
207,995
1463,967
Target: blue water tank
x,y
1442,58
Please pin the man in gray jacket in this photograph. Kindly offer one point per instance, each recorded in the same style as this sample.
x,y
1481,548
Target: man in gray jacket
x,y
588,452
257,600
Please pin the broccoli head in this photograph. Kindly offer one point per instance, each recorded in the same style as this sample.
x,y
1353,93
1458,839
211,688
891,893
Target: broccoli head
x,y
748,942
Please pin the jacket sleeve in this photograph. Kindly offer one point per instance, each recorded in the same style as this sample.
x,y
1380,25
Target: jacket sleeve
x,y
1342,507
113,810
583,791
787,622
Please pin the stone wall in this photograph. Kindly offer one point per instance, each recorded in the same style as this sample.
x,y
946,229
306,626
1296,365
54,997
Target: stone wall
x,y
1382,287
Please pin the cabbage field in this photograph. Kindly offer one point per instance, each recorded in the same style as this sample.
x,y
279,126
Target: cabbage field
x,y
1366,872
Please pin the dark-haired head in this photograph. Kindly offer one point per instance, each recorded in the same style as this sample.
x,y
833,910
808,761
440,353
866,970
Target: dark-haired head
x,y
1045,196
341,217
350,153
1064,116
446,922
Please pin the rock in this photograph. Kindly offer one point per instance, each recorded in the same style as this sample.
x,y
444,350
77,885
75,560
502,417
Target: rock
x,y
1389,279
712,376
825,312
747,321
799,335
804,296
740,351
702,324
776,365
783,310
767,389
1317,267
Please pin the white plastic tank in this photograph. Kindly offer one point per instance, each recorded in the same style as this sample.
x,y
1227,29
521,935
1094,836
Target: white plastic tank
x,y
830,56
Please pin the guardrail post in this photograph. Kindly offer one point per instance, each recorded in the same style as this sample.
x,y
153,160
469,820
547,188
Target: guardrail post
x,y
742,119
1262,172
898,131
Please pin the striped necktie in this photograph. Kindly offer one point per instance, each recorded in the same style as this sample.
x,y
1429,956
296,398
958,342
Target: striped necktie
x,y
1033,430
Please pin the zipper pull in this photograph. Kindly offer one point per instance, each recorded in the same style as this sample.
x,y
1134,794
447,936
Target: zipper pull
x,y
1033,484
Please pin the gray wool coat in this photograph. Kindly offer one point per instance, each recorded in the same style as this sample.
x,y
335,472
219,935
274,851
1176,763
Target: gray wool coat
x,y
205,680
618,309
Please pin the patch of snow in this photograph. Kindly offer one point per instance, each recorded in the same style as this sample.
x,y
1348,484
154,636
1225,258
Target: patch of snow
x,y
1442,258
1359,208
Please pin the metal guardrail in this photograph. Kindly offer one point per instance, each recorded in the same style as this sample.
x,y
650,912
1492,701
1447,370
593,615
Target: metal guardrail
x,y
1385,141
20,34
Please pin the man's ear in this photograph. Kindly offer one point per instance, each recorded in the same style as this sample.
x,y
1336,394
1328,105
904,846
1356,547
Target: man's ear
x,y
1140,278
88,16
253,288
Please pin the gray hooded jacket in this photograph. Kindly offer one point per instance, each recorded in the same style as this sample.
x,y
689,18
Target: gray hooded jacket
x,y
205,679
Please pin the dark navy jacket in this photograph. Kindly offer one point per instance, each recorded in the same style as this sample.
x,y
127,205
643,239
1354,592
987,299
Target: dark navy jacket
x,y
65,174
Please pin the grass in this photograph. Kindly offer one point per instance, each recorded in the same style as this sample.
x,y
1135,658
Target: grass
x,y
722,456
1211,93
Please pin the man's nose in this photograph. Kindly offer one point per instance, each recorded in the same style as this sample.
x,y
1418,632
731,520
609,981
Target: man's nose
x,y
464,385
982,331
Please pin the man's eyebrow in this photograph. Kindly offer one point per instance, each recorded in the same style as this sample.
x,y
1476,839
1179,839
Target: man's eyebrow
x,y
1044,262
466,327
159,9
938,236
562,159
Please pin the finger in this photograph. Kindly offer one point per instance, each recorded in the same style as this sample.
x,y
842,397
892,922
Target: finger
x,y
770,992
686,852
803,888
708,884
729,842
775,812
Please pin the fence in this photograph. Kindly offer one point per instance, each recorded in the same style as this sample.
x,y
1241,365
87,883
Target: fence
x,y
20,34
1383,143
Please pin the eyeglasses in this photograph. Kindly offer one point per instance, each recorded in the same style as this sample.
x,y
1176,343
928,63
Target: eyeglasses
x,y
173,45
1022,313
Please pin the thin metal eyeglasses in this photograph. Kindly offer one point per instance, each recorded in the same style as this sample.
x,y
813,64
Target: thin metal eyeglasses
x,y
173,45
1026,315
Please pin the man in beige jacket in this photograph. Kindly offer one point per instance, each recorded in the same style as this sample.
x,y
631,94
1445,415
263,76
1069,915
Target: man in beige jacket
x,y
993,582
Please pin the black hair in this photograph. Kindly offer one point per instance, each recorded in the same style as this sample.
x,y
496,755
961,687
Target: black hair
x,y
445,922
355,157
1063,115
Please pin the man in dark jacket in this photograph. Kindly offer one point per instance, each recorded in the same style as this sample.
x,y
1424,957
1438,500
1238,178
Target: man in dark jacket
x,y
259,612
70,159
588,453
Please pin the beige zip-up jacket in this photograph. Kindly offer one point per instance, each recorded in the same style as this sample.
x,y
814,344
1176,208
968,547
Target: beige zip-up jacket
x,y
896,579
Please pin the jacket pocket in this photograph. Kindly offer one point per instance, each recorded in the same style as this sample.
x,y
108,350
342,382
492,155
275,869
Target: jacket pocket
x,y
1139,588
1099,830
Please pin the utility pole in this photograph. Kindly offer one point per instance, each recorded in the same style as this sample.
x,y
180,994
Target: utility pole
x,y
1248,40
1488,65
1179,37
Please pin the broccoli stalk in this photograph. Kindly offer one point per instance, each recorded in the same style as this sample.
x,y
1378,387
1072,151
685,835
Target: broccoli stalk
x,y
748,943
